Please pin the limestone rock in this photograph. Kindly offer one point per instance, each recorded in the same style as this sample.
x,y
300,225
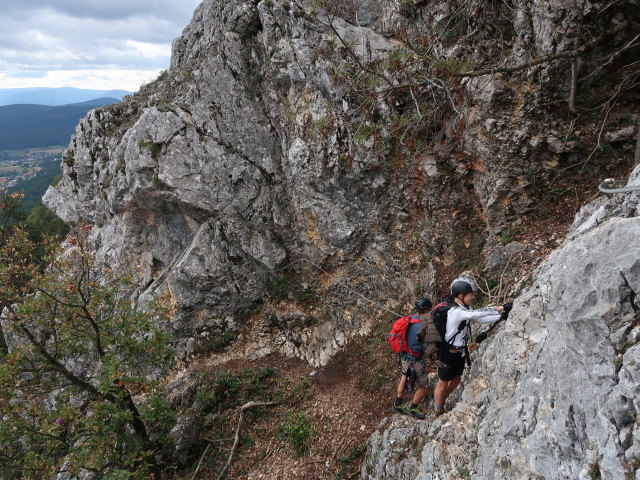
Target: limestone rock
x,y
499,258
555,145
185,435
237,163
623,135
239,167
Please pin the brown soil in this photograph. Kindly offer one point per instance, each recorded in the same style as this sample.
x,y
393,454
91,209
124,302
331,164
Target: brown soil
x,y
345,402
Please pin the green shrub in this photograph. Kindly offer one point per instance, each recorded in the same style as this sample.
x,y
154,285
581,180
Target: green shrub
x,y
594,471
225,389
164,105
221,390
301,391
297,431
221,341
625,119
159,184
618,362
278,288
153,147
376,380
507,237
350,460
290,285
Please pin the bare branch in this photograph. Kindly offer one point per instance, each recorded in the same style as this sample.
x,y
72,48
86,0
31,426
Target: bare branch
x,y
632,43
574,86
237,437
353,54
206,450
60,368
550,58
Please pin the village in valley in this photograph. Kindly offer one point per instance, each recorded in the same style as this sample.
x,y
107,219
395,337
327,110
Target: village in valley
x,y
17,166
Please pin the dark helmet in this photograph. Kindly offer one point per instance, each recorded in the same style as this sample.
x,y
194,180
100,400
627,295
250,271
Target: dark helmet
x,y
462,285
423,305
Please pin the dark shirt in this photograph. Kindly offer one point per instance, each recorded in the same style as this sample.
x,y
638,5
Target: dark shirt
x,y
412,336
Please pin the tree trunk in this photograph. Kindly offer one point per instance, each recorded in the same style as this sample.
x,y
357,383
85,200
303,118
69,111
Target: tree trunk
x,y
141,433
574,85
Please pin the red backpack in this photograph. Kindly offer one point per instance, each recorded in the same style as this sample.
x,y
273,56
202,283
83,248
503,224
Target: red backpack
x,y
397,337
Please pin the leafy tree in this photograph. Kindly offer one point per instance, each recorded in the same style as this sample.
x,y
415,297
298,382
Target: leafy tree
x,y
11,215
43,221
81,384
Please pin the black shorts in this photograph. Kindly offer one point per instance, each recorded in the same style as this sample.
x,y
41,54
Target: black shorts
x,y
450,365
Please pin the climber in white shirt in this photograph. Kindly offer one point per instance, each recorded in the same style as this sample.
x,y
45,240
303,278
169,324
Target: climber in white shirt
x,y
451,359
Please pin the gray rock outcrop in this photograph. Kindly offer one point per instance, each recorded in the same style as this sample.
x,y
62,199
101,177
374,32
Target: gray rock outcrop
x,y
556,393
241,161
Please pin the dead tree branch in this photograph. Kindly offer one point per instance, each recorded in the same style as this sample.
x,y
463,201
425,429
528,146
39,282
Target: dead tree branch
x,y
237,436
636,160
206,450
550,58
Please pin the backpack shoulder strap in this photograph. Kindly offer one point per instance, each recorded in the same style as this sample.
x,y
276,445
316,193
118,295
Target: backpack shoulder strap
x,y
464,324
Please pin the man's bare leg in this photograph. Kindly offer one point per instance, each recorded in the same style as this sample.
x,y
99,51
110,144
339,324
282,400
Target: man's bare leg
x,y
419,395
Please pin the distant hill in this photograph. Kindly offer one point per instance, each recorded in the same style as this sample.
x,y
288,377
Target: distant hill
x,y
55,96
27,126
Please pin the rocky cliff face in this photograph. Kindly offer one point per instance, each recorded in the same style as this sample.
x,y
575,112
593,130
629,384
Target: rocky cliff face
x,y
555,394
282,183
245,157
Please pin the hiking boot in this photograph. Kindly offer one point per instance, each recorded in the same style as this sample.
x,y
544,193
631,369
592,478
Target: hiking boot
x,y
438,411
415,412
401,409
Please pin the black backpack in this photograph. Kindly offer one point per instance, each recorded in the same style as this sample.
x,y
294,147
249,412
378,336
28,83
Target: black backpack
x,y
439,319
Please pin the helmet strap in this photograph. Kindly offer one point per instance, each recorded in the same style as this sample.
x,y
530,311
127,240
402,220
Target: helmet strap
x,y
460,297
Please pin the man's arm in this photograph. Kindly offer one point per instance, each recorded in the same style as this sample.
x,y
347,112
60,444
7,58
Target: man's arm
x,y
413,341
482,315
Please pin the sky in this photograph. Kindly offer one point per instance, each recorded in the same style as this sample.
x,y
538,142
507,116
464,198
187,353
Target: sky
x,y
94,44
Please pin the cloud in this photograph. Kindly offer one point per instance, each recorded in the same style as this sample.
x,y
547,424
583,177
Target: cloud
x,y
38,39
103,79
99,9
150,50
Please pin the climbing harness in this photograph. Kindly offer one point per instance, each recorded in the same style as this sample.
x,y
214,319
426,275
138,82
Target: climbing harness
x,y
412,378
611,185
